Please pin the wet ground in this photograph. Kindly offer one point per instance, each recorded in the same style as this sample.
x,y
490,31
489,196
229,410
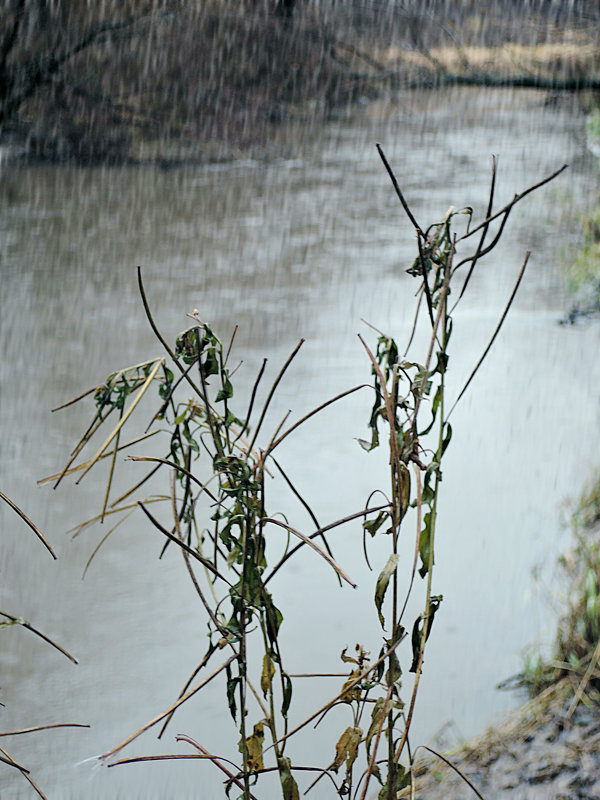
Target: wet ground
x,y
540,753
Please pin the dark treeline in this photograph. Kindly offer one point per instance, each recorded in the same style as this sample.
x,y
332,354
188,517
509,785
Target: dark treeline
x,y
91,81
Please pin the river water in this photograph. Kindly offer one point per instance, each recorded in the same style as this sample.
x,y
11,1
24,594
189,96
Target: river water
x,y
302,246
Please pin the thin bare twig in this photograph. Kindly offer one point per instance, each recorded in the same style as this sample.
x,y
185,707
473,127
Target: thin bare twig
x,y
24,624
396,186
26,519
168,711
496,332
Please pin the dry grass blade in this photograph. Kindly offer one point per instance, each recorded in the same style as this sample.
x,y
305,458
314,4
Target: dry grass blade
x,y
315,547
24,772
76,399
95,424
584,682
111,475
125,417
168,711
6,759
84,464
166,757
101,542
44,728
26,519
77,529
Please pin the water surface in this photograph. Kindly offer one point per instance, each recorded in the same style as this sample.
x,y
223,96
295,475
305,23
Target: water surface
x,y
304,246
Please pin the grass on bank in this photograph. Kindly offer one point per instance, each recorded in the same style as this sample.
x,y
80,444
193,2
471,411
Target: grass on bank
x,y
583,273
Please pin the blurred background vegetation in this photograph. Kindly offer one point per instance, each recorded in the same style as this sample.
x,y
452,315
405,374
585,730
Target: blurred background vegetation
x,y
165,80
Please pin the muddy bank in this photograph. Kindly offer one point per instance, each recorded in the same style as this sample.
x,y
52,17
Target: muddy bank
x,y
547,750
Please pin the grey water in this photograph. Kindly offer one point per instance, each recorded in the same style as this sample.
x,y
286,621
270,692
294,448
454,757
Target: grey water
x,y
306,245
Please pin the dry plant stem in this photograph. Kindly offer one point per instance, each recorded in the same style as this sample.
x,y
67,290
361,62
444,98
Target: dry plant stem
x,y
27,521
269,446
441,309
315,547
160,337
111,473
373,758
168,711
263,413
7,759
82,525
348,686
390,172
252,400
84,464
233,335
95,424
441,314
216,760
167,399
305,505
297,494
426,623
241,659
25,773
475,258
44,728
455,768
179,468
321,531
75,399
24,624
185,757
316,410
133,489
417,540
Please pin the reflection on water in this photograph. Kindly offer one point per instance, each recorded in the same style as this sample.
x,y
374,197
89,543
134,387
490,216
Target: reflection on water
x,y
304,246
